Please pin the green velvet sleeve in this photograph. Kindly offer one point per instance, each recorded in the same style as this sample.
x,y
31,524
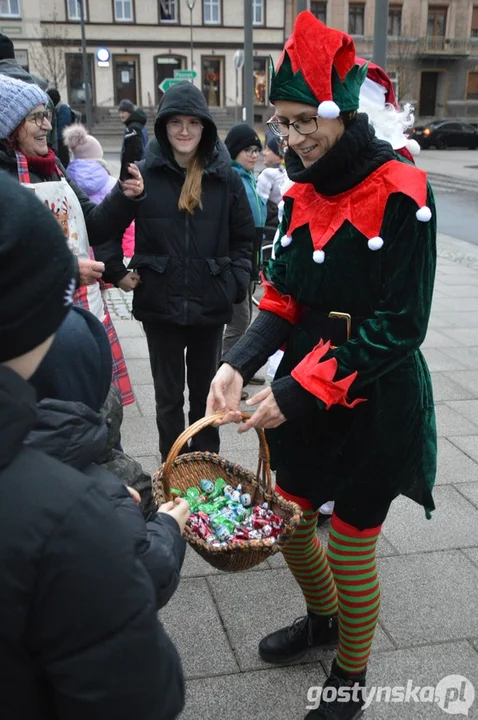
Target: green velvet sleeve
x,y
399,324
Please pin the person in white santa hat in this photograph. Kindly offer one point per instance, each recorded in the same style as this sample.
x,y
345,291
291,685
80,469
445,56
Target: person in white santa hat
x,y
390,122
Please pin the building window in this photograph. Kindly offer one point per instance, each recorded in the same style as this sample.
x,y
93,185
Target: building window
x,y
436,27
168,11
21,56
395,80
472,86
319,9
395,21
9,8
212,12
356,19
474,23
258,12
123,10
74,10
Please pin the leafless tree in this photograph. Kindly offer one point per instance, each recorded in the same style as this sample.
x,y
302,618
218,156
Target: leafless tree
x,y
48,55
402,54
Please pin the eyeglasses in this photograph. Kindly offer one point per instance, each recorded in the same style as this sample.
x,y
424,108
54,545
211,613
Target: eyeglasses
x,y
306,126
251,151
39,117
176,126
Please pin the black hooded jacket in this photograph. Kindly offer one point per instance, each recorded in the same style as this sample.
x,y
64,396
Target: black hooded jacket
x,y
74,434
193,267
72,384
79,636
135,124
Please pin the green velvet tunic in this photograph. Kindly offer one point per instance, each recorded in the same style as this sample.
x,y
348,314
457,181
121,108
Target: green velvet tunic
x,y
387,444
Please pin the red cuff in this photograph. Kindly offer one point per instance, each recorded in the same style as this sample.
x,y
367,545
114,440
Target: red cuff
x,y
302,502
283,305
350,531
318,378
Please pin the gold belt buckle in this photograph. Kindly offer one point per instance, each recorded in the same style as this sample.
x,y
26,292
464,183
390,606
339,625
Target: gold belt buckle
x,y
348,320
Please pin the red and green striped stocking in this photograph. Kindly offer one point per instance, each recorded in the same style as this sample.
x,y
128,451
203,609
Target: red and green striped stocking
x,y
307,561
351,556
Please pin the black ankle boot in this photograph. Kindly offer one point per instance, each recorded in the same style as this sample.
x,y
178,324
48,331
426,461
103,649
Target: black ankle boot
x,y
311,631
333,706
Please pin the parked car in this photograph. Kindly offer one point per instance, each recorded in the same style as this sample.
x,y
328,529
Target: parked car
x,y
442,134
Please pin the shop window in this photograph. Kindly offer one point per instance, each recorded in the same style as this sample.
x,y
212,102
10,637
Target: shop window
x,y
260,80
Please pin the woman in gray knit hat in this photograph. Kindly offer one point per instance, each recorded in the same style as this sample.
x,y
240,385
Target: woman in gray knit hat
x,y
24,153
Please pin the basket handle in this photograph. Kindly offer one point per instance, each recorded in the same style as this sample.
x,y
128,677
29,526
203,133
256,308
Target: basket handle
x,y
263,475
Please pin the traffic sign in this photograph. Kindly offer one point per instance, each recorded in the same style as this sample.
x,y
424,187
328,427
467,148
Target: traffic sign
x,y
239,59
168,82
184,74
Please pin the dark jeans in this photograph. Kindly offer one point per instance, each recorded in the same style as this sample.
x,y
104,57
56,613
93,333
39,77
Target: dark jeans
x,y
167,343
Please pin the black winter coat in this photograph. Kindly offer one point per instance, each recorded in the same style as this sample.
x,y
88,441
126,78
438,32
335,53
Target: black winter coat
x,y
79,636
77,436
104,221
135,124
193,267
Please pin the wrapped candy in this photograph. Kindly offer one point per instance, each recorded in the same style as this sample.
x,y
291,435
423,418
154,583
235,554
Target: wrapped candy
x,y
207,486
219,486
245,500
221,514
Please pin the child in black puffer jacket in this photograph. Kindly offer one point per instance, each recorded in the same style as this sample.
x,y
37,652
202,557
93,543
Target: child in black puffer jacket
x,y
79,419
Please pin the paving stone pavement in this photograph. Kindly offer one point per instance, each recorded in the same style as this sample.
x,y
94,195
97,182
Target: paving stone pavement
x,y
428,624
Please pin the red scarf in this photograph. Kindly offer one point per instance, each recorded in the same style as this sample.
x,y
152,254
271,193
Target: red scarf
x,y
43,165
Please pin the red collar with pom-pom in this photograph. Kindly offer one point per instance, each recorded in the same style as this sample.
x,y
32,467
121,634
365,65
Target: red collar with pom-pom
x,y
363,205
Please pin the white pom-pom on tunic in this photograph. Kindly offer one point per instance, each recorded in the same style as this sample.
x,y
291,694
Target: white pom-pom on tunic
x,y
375,243
424,214
318,256
286,240
328,109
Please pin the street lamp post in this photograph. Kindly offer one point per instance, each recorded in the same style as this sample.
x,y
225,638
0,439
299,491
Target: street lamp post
x,y
86,70
248,64
380,33
191,4
301,5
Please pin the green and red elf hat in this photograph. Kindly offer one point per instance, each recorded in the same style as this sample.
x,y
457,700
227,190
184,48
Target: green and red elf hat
x,y
318,67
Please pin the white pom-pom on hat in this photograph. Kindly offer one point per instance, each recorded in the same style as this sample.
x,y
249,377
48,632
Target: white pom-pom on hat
x,y
328,109
286,240
424,214
375,243
318,256
413,147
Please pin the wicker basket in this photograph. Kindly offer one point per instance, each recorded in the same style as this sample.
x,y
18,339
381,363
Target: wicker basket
x,y
187,470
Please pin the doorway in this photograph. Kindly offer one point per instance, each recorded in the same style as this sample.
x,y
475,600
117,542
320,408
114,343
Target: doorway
x,y
125,72
428,93
165,66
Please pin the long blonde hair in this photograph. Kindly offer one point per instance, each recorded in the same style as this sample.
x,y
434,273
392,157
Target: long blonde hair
x,y
191,191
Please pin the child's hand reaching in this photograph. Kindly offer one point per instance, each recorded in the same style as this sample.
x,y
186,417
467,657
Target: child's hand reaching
x,y
179,510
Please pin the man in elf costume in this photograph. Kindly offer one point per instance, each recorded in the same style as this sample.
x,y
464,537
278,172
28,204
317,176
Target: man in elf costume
x,y
349,415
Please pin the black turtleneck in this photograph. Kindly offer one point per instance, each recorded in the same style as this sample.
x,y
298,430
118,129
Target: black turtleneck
x,y
353,158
